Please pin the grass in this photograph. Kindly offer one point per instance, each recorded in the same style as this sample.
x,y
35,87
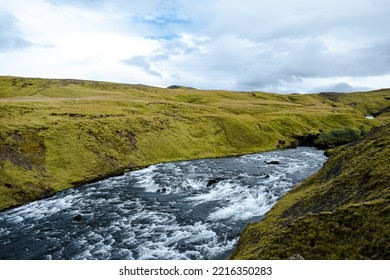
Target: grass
x,y
56,134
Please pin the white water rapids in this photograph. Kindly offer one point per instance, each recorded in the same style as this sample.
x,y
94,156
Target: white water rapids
x,y
183,210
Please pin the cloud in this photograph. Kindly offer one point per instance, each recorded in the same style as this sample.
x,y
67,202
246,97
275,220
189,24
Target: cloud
x,y
280,45
166,60
165,13
144,63
84,3
340,87
11,38
295,41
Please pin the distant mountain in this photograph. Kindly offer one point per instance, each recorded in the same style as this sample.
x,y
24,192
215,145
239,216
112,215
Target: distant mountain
x,y
179,87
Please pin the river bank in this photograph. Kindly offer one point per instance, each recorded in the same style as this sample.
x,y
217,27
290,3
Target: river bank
x,y
341,212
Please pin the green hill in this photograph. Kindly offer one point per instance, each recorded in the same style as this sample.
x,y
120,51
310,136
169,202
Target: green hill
x,y
55,134
341,212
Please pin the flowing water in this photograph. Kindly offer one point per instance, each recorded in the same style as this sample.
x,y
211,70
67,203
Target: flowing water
x,y
183,210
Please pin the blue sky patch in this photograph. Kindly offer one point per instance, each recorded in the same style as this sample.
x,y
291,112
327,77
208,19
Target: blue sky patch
x,y
167,37
164,20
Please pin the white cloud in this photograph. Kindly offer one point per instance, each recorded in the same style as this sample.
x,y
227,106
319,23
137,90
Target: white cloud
x,y
70,41
11,37
280,45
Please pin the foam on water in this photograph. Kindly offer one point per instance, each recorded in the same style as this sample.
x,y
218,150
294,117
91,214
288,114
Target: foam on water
x,y
184,210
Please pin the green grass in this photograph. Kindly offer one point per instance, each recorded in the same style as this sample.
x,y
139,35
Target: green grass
x,y
55,134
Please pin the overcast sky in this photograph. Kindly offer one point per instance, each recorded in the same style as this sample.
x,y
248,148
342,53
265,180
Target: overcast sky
x,y
278,46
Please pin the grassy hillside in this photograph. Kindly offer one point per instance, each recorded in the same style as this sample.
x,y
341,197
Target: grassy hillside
x,y
55,134
342,212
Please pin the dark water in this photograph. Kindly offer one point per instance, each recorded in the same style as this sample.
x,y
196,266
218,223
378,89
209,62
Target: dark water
x,y
166,211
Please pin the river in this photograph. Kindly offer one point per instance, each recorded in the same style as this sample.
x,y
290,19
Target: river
x,y
183,210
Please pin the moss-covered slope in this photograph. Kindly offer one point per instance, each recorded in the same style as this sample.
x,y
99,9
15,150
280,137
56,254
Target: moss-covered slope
x,y
55,134
341,212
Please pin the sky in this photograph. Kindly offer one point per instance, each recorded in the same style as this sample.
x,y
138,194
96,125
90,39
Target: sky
x,y
278,46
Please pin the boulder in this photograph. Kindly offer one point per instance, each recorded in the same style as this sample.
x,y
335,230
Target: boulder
x,y
78,218
214,181
273,162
